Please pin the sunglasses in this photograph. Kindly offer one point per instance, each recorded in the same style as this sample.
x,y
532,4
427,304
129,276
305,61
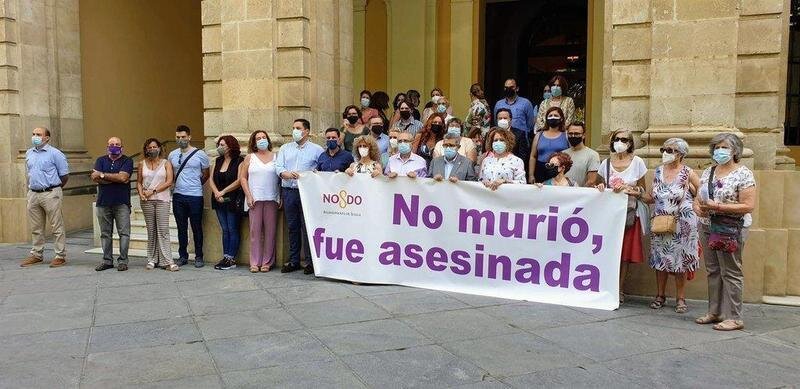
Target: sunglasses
x,y
618,139
551,165
668,150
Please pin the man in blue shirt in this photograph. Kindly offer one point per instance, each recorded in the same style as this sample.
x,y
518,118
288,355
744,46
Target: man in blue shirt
x,y
47,174
376,130
522,113
293,158
335,158
112,173
187,200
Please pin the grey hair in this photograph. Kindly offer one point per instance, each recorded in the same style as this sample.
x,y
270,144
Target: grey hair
x,y
679,144
452,136
737,147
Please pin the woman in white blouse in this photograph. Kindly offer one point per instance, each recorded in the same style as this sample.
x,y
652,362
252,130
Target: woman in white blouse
x,y
502,166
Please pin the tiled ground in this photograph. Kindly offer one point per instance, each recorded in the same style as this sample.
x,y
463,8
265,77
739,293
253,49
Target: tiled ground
x,y
74,327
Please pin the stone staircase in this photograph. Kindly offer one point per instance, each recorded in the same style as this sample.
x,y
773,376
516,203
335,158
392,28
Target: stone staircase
x,y
138,242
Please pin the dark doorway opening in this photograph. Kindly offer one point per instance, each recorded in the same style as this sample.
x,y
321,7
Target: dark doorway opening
x,y
792,123
532,41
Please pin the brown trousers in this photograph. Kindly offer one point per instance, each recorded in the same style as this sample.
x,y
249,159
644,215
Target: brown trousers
x,y
43,207
725,277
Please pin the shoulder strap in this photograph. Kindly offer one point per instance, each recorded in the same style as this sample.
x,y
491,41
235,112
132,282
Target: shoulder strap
x,y
180,169
711,183
608,170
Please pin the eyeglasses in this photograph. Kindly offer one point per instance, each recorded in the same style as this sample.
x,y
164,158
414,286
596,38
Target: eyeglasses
x,y
403,141
551,165
668,150
447,145
618,139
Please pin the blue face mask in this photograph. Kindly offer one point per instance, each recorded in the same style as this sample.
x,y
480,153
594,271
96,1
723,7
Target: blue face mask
x,y
441,108
547,95
454,130
262,144
297,135
499,146
404,147
332,144
450,152
555,90
36,141
721,156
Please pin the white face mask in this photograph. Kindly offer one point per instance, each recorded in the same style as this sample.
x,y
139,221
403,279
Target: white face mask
x,y
393,143
667,158
503,123
620,147
363,151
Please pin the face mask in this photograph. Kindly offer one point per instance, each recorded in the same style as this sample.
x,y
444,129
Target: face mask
x,y
436,128
620,147
114,150
454,130
553,121
404,148
364,102
36,140
262,144
435,99
555,90
393,143
509,92
551,171
441,108
220,150
352,120
377,129
574,140
499,146
297,135
547,95
503,123
405,115
450,152
667,158
153,153
182,143
332,144
722,156
363,151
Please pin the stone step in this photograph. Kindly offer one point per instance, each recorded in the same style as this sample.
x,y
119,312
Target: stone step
x,y
792,301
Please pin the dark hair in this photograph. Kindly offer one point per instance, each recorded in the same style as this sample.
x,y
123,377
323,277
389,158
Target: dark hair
x,y
397,97
233,146
473,131
614,135
510,115
511,79
304,122
560,113
183,128
332,129
348,108
455,120
251,144
365,91
413,94
147,143
563,159
477,91
436,89
379,101
409,104
426,133
580,124
561,81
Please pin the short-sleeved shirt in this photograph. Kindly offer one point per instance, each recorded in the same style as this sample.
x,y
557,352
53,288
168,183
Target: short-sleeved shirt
x,y
114,193
727,189
339,162
630,176
412,126
46,166
584,161
190,181
466,145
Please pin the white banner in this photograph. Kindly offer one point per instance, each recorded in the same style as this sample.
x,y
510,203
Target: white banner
x,y
552,245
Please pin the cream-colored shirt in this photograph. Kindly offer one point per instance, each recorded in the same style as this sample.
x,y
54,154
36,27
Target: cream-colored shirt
x,y
467,146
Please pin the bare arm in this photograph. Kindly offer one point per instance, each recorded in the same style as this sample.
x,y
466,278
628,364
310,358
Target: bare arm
x,y
206,174
244,173
532,159
168,181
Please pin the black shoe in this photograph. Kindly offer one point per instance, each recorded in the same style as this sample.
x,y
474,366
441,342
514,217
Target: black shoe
x,y
122,267
290,267
225,264
198,262
309,269
104,266
182,261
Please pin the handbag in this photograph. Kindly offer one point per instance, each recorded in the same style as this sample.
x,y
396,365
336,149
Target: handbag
x,y
630,216
665,224
724,230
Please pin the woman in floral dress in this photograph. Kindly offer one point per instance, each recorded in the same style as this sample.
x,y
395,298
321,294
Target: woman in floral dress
x,y
672,192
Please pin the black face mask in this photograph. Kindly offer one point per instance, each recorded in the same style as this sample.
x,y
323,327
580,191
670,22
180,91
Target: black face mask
x,y
575,140
405,115
352,119
553,123
509,92
377,129
551,172
437,129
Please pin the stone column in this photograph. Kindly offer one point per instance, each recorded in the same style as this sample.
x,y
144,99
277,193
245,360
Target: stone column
x,y
40,85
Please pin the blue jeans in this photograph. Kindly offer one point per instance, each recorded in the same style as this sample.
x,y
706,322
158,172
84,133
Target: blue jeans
x,y
188,209
293,210
229,222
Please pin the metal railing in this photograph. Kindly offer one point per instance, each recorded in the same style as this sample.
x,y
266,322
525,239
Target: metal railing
x,y
87,189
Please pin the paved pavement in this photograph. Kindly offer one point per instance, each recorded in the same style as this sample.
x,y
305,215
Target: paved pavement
x,y
74,327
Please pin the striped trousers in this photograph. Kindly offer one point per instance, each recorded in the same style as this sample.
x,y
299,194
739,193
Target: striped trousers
x,y
156,217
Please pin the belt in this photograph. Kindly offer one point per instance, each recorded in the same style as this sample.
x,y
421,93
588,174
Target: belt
x,y
289,188
45,189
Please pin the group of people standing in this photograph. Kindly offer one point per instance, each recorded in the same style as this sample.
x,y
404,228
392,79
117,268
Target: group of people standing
x,y
693,216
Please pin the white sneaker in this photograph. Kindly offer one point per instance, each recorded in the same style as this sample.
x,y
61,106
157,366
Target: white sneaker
x,y
150,266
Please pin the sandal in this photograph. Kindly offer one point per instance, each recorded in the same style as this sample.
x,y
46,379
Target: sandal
x,y
253,269
265,268
658,302
708,318
680,306
172,267
729,325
